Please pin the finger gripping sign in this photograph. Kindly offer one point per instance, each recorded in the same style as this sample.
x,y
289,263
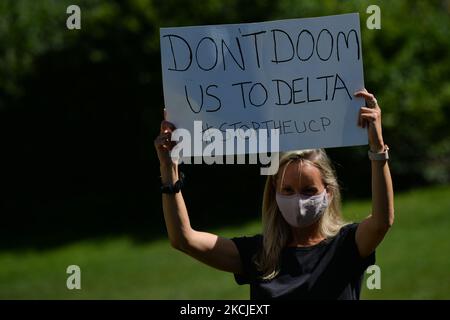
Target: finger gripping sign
x,y
296,75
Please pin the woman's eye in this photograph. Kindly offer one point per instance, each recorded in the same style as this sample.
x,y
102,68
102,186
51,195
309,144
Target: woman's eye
x,y
310,191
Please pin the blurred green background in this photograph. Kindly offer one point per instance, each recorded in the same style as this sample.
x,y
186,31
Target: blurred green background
x,y
79,110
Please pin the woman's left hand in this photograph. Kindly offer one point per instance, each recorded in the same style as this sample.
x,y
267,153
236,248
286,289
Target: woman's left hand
x,y
370,117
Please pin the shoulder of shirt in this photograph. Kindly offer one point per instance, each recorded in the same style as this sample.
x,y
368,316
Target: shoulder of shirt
x,y
349,226
256,239
346,229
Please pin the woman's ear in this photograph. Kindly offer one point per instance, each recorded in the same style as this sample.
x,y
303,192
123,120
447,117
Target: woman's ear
x,y
329,192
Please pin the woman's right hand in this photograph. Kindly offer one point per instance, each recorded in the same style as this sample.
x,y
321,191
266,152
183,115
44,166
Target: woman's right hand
x,y
164,144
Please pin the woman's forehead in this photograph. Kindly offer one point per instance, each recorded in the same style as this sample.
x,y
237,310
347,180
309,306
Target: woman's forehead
x,y
302,172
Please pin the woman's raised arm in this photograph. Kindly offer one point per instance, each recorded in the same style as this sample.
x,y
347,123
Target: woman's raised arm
x,y
215,251
372,230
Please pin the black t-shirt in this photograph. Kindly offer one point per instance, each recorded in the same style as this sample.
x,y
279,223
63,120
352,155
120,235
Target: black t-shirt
x,y
331,269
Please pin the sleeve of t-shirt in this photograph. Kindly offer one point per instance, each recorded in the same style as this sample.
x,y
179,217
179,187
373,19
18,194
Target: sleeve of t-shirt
x,y
350,250
247,247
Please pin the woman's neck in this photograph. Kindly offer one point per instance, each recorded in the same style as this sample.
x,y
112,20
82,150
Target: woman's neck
x,y
304,237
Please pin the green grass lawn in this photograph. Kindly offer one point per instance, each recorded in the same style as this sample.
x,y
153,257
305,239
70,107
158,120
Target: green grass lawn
x,y
414,262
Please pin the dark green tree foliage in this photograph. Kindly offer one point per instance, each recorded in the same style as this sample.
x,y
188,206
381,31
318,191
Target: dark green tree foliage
x,y
79,111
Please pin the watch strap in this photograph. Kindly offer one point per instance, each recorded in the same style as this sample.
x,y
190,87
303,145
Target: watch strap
x,y
379,156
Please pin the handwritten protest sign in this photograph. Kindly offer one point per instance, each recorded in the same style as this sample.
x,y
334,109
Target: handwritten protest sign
x,y
295,75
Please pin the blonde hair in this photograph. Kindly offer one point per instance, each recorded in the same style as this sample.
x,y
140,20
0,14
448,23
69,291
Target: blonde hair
x,y
276,231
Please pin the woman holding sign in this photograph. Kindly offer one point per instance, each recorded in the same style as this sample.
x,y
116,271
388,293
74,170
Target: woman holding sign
x,y
306,250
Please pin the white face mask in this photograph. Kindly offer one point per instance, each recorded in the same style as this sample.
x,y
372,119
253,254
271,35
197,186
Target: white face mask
x,y
302,211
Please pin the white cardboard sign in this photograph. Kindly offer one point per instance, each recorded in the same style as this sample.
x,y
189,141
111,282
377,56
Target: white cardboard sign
x,y
297,75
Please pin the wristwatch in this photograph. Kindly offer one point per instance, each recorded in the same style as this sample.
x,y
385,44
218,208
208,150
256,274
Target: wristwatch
x,y
379,156
173,188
